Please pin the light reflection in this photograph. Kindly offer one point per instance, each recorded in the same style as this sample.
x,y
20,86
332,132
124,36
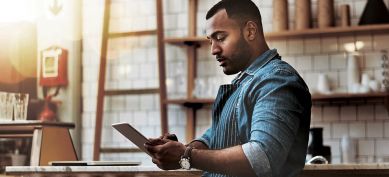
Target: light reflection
x,y
352,47
17,10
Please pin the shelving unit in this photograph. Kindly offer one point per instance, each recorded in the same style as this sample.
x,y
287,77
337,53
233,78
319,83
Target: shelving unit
x,y
333,31
192,42
102,92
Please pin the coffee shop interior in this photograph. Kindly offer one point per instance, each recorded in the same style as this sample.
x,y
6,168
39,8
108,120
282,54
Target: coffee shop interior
x,y
69,69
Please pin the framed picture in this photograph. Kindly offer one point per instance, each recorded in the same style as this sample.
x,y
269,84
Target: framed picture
x,y
54,67
50,63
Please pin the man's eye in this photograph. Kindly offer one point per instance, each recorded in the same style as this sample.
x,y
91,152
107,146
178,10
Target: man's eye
x,y
220,38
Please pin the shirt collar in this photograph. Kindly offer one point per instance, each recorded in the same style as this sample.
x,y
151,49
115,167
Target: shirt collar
x,y
256,65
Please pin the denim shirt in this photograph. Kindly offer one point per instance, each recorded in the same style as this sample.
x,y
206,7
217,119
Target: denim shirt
x,y
273,111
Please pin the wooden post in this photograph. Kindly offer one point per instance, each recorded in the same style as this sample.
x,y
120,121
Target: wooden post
x,y
101,84
192,63
161,68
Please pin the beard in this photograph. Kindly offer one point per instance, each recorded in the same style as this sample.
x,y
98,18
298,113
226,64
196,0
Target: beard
x,y
240,59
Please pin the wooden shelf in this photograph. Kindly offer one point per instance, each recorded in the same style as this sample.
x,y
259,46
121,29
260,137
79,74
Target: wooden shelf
x,y
345,99
316,98
186,40
315,32
132,33
194,102
131,91
366,29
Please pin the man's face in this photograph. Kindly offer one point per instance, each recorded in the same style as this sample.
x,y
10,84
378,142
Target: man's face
x,y
227,43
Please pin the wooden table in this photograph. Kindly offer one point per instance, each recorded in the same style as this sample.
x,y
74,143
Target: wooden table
x,y
337,170
50,140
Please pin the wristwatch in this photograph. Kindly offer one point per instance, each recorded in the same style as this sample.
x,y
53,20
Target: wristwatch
x,y
185,159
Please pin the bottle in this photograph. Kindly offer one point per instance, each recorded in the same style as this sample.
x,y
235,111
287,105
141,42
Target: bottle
x,y
345,16
303,14
326,13
375,12
280,15
316,147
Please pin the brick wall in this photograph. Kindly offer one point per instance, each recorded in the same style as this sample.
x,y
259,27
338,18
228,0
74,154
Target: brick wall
x,y
132,64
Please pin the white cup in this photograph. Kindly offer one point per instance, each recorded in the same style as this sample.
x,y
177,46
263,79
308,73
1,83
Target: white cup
x,y
323,85
365,79
364,89
348,149
375,85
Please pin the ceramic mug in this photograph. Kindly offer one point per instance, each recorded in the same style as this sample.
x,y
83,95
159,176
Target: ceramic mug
x,y
323,85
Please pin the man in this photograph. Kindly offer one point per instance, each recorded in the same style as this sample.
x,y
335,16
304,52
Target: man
x,y
260,122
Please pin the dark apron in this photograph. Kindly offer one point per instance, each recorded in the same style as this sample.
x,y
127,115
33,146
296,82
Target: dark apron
x,y
224,121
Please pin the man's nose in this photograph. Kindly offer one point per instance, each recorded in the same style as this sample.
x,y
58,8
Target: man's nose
x,y
215,49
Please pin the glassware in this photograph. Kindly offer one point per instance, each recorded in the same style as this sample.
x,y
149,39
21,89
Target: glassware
x,y
385,72
20,106
199,88
6,105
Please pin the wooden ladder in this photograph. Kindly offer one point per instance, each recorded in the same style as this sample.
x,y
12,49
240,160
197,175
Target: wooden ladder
x,y
102,92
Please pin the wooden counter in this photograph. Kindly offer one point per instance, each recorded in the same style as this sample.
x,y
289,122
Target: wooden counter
x,y
347,170
50,140
338,170
117,171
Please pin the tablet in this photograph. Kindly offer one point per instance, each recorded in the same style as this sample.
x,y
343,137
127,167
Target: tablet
x,y
133,135
93,163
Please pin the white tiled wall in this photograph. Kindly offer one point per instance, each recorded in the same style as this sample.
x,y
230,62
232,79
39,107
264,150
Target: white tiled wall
x,y
132,64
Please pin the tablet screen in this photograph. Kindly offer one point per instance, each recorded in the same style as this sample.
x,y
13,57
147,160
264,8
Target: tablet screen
x,y
133,135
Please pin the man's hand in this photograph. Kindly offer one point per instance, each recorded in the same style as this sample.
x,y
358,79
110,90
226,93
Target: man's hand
x,y
166,153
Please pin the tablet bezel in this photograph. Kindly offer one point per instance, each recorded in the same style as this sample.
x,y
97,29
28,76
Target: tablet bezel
x,y
133,135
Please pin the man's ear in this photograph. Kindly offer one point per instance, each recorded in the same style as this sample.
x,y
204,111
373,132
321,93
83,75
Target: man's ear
x,y
251,30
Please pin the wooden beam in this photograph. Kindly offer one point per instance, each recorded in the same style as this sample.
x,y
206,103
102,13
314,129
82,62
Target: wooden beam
x,y
161,68
119,150
101,84
131,92
192,17
133,33
190,124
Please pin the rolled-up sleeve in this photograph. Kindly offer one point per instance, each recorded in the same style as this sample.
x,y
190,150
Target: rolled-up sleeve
x,y
258,159
206,137
275,122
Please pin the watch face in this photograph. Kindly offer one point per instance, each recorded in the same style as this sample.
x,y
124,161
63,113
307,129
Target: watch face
x,y
185,164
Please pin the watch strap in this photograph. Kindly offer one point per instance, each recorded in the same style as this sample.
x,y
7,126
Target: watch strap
x,y
188,152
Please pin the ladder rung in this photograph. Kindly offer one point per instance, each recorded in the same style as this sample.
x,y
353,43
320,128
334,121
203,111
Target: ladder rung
x,y
131,91
132,33
119,150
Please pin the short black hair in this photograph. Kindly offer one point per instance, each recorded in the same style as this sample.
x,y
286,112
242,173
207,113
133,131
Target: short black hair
x,y
239,10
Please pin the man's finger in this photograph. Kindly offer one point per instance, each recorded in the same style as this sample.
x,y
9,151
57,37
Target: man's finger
x,y
152,148
154,142
155,161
